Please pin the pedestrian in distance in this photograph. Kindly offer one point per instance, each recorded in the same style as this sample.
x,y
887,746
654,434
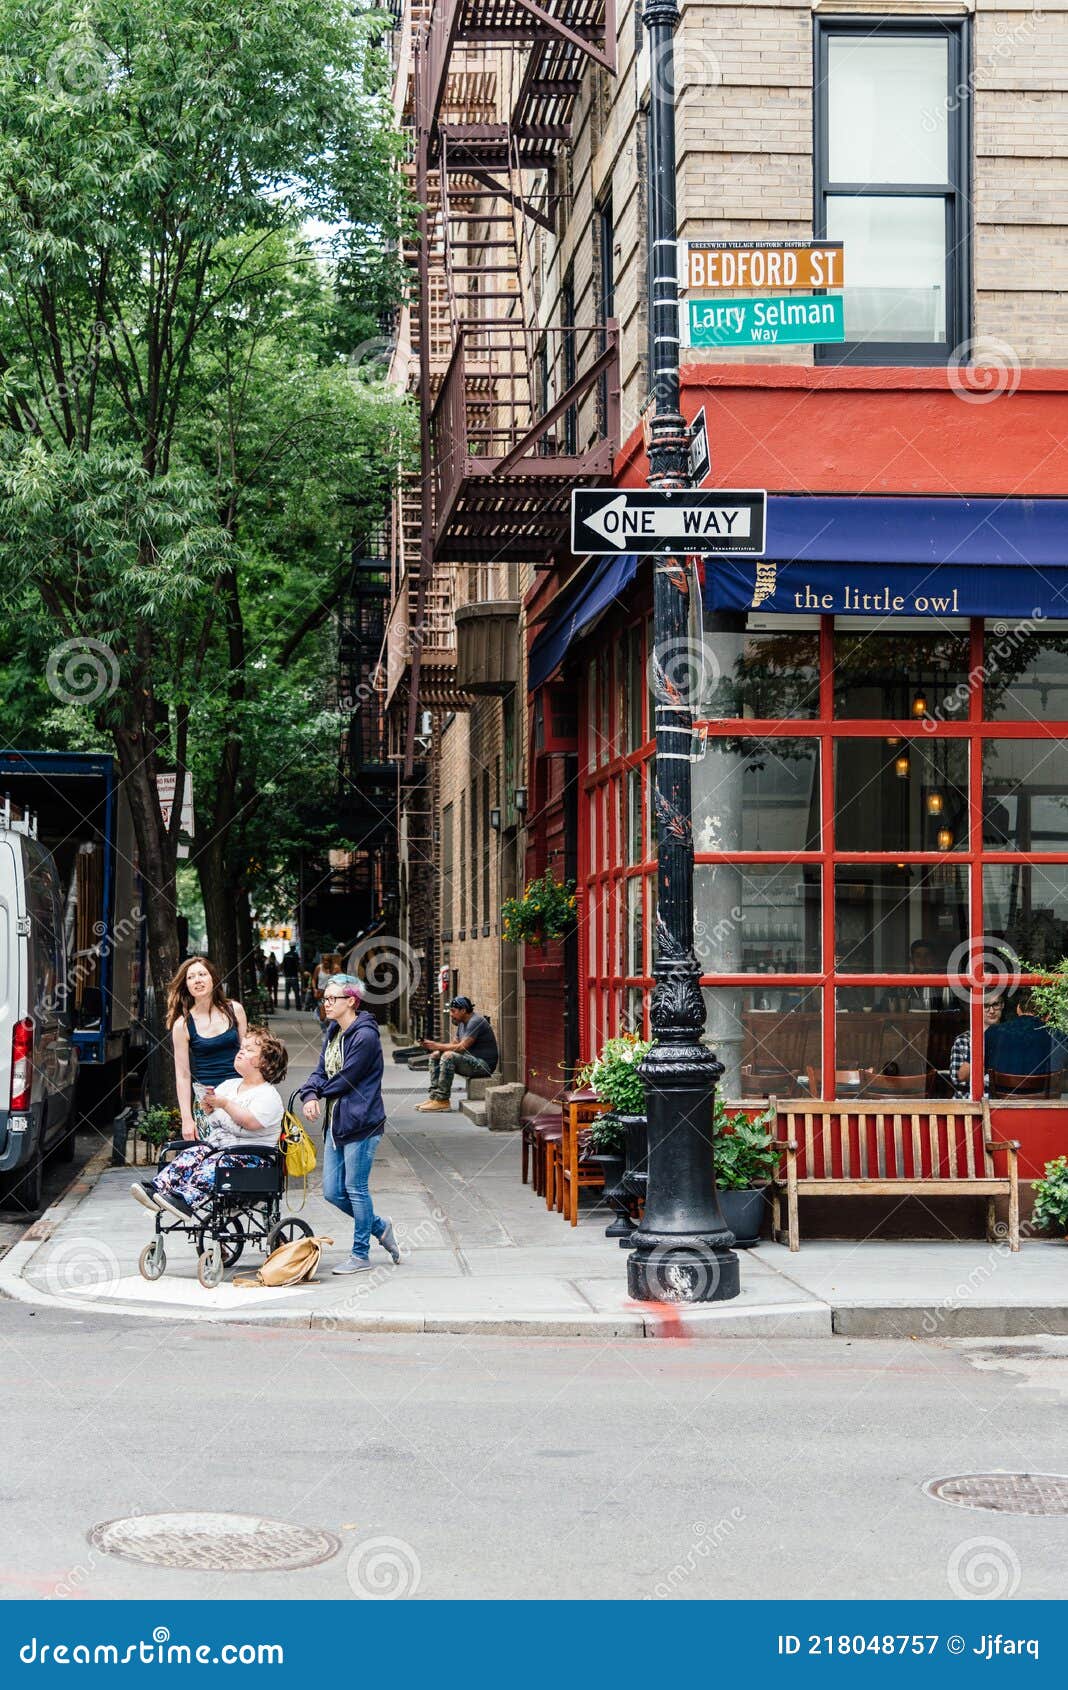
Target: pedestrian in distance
x,y
345,1089
472,1051
240,1114
291,976
270,979
206,1032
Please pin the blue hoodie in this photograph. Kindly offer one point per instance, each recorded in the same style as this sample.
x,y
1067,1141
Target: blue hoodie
x,y
356,1092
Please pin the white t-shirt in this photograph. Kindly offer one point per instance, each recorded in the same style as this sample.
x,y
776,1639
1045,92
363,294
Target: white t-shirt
x,y
262,1101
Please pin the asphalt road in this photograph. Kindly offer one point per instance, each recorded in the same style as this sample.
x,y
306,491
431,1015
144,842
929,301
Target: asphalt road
x,y
451,1467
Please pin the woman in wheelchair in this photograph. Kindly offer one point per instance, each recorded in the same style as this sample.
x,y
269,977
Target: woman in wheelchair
x,y
243,1112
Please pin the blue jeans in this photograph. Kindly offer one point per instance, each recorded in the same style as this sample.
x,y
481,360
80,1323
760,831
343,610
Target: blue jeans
x,y
346,1172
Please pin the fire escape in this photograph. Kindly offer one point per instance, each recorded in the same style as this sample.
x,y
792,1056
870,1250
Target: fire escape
x,y
513,412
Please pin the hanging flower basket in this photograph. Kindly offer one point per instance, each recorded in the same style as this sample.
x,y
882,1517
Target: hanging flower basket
x,y
545,911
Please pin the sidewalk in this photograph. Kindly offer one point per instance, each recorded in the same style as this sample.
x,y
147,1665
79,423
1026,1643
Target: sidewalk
x,y
482,1254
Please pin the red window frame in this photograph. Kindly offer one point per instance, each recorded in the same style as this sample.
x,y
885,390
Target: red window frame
x,y
603,886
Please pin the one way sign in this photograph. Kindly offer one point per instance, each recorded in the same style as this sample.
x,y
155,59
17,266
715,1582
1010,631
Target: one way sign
x,y
605,520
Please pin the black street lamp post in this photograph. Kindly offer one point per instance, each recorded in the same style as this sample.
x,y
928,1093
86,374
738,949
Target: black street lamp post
x,y
682,1249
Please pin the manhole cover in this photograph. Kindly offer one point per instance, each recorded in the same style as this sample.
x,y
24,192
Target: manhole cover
x,y
1004,1493
223,1543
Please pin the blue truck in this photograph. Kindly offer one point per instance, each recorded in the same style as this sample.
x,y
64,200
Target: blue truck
x,y
72,954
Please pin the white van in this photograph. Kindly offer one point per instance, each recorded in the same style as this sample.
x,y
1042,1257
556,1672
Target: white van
x,y
38,1061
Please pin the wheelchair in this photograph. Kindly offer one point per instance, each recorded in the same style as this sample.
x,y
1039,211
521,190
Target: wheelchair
x,y
245,1207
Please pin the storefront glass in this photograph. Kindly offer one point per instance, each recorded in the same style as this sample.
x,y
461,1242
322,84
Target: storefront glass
x,y
880,849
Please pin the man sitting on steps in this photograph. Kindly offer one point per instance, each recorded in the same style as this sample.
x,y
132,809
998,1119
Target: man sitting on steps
x,y
473,1052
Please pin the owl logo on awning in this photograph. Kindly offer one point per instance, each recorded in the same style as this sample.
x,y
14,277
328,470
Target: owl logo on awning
x,y
765,583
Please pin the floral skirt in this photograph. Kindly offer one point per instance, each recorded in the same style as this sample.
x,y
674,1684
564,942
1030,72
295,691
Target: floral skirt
x,y
192,1173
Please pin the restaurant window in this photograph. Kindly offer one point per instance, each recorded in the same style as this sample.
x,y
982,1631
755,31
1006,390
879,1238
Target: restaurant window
x,y
892,146
886,843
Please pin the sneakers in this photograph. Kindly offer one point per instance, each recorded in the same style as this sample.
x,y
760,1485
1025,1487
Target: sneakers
x,y
176,1206
145,1196
434,1106
388,1240
355,1264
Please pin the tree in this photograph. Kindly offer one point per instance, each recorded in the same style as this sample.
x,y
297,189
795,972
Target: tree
x,y
153,155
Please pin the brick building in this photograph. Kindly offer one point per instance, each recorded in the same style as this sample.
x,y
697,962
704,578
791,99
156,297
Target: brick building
x,y
877,813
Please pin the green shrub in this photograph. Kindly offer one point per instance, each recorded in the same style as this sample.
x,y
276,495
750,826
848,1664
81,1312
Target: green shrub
x,y
1051,1197
743,1149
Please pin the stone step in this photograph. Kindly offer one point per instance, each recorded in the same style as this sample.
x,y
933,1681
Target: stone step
x,y
475,1110
476,1090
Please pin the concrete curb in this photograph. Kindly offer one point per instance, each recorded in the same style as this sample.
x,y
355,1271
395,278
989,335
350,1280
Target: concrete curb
x,y
807,1318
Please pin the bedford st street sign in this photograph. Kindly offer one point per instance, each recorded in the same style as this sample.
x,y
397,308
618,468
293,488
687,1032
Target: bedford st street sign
x,y
761,264
605,521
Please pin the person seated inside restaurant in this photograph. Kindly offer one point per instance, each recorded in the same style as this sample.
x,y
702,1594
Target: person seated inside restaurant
x,y
960,1057
1022,1044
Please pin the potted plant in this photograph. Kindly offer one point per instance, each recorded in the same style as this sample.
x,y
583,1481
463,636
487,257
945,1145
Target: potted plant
x,y
607,1138
545,911
154,1128
614,1076
745,1159
1051,1198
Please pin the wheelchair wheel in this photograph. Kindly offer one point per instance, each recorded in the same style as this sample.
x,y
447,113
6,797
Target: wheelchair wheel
x,y
210,1266
230,1235
153,1259
285,1232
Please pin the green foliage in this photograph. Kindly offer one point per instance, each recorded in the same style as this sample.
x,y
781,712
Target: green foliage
x,y
614,1075
545,911
1050,999
159,1125
608,1136
743,1149
199,220
1051,1197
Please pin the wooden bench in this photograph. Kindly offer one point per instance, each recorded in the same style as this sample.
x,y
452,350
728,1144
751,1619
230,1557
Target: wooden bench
x,y
867,1149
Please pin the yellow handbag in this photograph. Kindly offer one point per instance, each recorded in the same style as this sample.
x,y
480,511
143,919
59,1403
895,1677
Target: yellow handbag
x,y
298,1149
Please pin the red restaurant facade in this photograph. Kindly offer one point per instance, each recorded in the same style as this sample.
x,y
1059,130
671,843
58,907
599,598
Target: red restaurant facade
x,y
881,755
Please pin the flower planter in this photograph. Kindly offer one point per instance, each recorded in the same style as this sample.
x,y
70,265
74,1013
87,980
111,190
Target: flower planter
x,y
744,1212
635,1174
611,1163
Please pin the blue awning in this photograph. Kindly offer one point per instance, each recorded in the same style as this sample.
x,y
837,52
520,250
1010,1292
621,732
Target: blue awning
x,y
902,557
610,578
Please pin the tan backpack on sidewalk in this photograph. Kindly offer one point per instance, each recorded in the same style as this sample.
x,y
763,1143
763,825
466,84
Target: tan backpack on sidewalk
x,y
290,1264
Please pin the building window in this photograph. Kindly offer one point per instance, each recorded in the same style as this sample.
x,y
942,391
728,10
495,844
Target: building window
x,y
891,820
485,853
568,364
463,864
446,872
474,860
606,294
892,145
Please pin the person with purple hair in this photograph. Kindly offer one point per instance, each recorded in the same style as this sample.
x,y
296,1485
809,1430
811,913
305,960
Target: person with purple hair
x,y
346,1089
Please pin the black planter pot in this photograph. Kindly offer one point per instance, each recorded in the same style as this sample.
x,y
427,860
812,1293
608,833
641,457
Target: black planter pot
x,y
611,1163
743,1212
635,1174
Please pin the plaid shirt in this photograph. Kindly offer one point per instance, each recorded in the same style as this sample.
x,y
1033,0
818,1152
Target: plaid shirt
x,y
961,1053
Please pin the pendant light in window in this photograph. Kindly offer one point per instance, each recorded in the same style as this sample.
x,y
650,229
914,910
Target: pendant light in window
x,y
936,803
945,839
919,706
902,765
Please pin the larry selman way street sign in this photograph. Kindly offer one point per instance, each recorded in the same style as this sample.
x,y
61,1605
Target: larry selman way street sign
x,y
605,520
